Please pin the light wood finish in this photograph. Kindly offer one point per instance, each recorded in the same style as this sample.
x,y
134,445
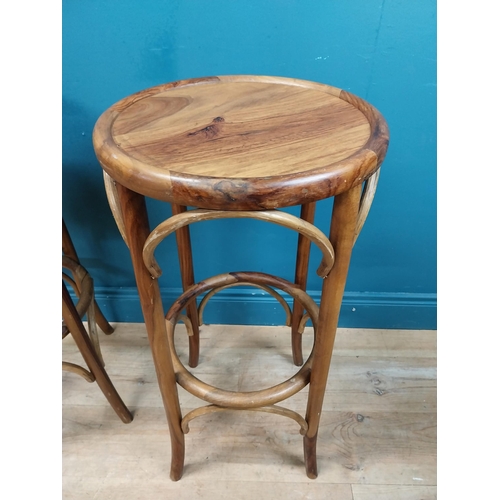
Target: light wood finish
x,y
114,205
178,221
79,370
241,142
366,201
241,146
187,322
393,492
372,445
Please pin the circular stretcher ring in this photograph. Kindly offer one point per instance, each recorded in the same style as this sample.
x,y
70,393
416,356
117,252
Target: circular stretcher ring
x,y
231,399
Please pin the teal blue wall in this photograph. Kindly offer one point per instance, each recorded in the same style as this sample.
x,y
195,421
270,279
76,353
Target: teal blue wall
x,y
382,50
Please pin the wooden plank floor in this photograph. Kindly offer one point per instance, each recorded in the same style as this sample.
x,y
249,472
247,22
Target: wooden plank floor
x,y
377,437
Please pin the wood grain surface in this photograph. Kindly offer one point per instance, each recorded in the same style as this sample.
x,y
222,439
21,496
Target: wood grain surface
x,y
240,145
377,438
244,142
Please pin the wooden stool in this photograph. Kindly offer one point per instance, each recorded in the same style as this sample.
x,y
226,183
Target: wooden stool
x,y
241,147
88,343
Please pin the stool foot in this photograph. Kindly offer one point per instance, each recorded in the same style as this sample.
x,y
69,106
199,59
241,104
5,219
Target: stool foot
x,y
177,463
175,475
310,456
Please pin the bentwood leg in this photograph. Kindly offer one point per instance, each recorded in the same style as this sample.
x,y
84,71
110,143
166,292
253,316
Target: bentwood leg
x,y
342,231
301,267
187,275
73,322
136,226
69,249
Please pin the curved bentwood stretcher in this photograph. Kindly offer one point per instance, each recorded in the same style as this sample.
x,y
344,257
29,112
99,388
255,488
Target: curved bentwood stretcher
x,y
87,343
273,143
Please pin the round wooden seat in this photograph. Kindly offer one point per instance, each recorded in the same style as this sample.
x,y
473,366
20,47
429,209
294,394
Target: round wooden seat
x,y
241,142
